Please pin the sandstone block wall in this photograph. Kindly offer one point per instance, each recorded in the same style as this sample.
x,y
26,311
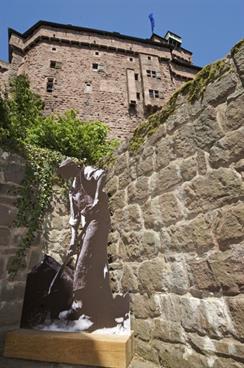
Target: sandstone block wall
x,y
101,92
177,240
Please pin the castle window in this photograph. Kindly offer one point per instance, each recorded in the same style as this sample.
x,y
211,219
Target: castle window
x,y
149,58
138,96
50,85
136,76
55,64
88,87
153,93
95,66
97,53
151,73
131,59
54,49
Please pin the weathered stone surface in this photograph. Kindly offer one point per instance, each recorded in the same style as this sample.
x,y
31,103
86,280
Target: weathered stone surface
x,y
168,207
228,149
138,191
166,180
226,347
164,153
193,235
4,236
133,217
14,173
129,279
112,185
175,356
184,141
118,200
204,316
239,60
217,188
11,291
188,168
217,91
121,164
235,113
229,225
236,307
136,363
146,164
168,331
202,276
7,215
153,275
146,351
10,312
143,328
143,306
206,129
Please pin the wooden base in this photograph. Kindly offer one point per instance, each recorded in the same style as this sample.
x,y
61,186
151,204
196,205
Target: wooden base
x,y
110,351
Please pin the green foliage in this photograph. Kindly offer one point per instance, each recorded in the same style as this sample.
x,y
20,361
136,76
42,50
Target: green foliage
x,y
68,135
44,142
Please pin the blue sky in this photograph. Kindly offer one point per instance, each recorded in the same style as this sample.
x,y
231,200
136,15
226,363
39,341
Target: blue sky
x,y
209,28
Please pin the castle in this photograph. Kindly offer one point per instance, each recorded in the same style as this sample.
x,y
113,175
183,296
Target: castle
x,y
105,76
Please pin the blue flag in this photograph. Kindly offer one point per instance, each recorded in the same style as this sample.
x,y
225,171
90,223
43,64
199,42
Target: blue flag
x,y
152,21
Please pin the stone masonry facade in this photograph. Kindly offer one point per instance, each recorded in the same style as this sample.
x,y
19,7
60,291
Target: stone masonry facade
x,y
177,240
105,76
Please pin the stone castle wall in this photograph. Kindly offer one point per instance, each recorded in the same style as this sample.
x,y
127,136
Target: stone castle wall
x,y
177,242
104,93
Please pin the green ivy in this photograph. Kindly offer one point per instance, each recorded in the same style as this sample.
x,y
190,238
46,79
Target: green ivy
x,y
44,142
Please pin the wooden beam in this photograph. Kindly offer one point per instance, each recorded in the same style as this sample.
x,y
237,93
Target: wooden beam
x,y
110,351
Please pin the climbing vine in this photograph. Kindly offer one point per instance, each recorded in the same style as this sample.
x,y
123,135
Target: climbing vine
x,y
44,142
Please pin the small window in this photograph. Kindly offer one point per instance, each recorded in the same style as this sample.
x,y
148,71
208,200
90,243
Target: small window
x,y
149,58
54,49
97,53
131,59
149,73
95,66
153,93
136,76
153,74
50,85
138,96
55,64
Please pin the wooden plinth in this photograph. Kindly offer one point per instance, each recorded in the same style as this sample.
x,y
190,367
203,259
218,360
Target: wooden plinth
x,y
111,351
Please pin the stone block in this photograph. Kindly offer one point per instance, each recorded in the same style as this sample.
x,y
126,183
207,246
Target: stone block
x,y
133,218
12,291
137,363
227,347
146,351
14,173
164,153
236,307
229,226
184,141
206,129
143,328
143,306
4,236
10,312
146,164
133,245
202,276
166,180
238,57
153,275
168,331
188,168
7,215
112,185
138,191
235,113
202,162
191,236
178,355
168,209
218,91
121,163
118,200
129,279
228,149
217,188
